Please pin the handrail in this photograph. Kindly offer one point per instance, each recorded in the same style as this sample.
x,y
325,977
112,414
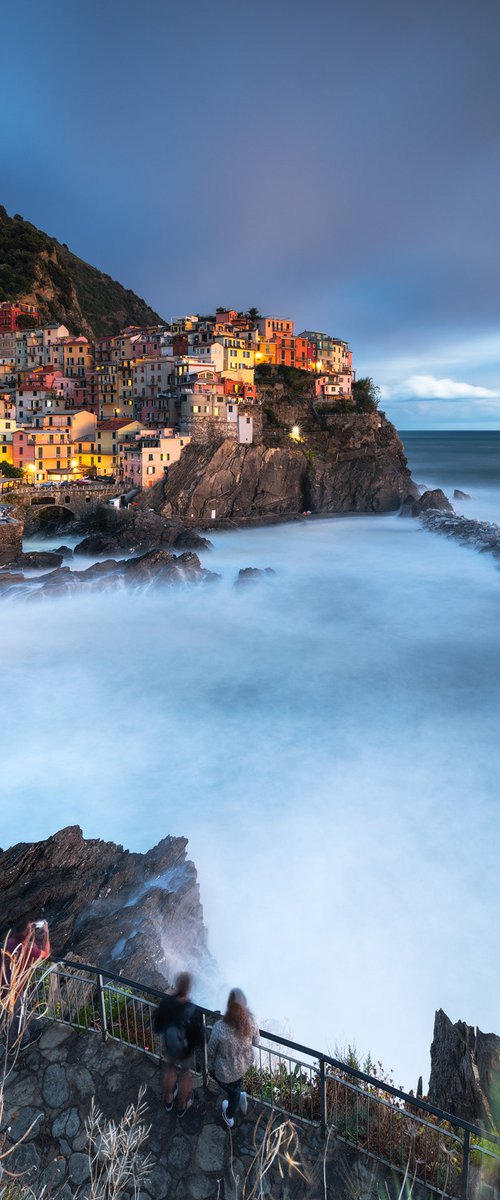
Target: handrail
x,y
317,1055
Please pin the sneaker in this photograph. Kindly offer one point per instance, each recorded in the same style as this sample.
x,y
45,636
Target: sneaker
x,y
244,1103
169,1104
181,1112
229,1120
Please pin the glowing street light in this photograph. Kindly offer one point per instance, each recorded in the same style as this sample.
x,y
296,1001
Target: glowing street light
x,y
295,433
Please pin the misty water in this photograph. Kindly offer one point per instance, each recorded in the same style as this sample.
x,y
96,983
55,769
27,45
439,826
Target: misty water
x,y
326,738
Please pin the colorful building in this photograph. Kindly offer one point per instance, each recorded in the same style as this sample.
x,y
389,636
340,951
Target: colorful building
x,y
13,315
146,460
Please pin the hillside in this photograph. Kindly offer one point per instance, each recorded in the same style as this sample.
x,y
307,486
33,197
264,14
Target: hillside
x,y
39,270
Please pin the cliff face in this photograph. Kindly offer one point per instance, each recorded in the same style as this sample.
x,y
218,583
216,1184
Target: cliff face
x,y
353,463
135,913
35,268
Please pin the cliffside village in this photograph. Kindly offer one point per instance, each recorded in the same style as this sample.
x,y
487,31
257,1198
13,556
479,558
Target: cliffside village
x,y
123,408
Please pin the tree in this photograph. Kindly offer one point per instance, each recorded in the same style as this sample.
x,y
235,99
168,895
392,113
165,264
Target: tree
x,y
11,472
366,394
253,314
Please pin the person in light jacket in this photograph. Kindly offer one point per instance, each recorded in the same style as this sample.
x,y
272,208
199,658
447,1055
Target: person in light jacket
x,y
230,1053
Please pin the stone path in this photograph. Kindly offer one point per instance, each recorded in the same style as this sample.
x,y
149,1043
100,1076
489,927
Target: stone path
x,y
195,1158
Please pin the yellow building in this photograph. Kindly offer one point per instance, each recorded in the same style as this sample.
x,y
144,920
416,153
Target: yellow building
x,y
77,357
101,455
116,390
265,351
7,427
54,456
233,357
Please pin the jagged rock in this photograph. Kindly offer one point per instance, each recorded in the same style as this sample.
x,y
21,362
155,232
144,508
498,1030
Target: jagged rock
x,y
106,904
7,579
97,543
135,532
458,495
164,567
38,558
249,574
97,570
429,502
11,540
465,1071
66,551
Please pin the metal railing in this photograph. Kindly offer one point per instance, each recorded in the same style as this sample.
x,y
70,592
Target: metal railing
x,y
412,1137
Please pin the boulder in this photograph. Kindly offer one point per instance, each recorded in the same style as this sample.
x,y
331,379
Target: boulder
x,y
97,543
433,501
250,574
65,551
458,495
35,559
162,566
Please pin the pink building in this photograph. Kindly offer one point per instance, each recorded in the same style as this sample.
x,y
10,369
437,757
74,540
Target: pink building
x,y
147,460
23,450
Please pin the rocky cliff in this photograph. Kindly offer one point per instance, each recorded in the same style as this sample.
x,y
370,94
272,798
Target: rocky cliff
x,y
465,1072
139,914
336,461
39,270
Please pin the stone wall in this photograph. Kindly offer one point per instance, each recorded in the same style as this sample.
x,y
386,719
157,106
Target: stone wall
x,y
193,1158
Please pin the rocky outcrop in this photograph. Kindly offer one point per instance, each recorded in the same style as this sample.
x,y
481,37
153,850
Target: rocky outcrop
x,y
357,464
155,567
132,532
135,913
11,540
465,1071
250,575
429,501
38,559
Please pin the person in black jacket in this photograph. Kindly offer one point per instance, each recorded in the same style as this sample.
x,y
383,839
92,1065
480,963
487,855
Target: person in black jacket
x,y
181,1024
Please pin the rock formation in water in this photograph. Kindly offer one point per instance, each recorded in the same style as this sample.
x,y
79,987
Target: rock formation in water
x,y
155,567
429,501
465,1071
135,914
302,460
11,540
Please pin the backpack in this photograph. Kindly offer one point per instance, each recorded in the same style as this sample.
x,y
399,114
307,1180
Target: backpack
x,y
176,1038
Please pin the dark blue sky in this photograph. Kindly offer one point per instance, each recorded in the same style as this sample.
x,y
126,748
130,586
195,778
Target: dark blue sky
x,y
334,162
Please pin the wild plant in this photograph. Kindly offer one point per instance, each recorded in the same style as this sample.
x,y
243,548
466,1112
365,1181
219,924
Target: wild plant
x,y
117,1161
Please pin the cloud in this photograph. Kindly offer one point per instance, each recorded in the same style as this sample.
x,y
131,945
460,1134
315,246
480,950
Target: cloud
x,y
429,387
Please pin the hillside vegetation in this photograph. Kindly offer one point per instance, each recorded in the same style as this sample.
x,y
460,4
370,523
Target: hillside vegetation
x,y
39,270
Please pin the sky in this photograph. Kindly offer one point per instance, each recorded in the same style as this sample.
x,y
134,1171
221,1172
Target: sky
x,y
337,163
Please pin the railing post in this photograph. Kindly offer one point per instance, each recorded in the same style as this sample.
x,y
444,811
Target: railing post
x,y
322,1097
465,1165
102,1007
205,1052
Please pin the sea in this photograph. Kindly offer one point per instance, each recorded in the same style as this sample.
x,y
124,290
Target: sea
x,y
326,737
